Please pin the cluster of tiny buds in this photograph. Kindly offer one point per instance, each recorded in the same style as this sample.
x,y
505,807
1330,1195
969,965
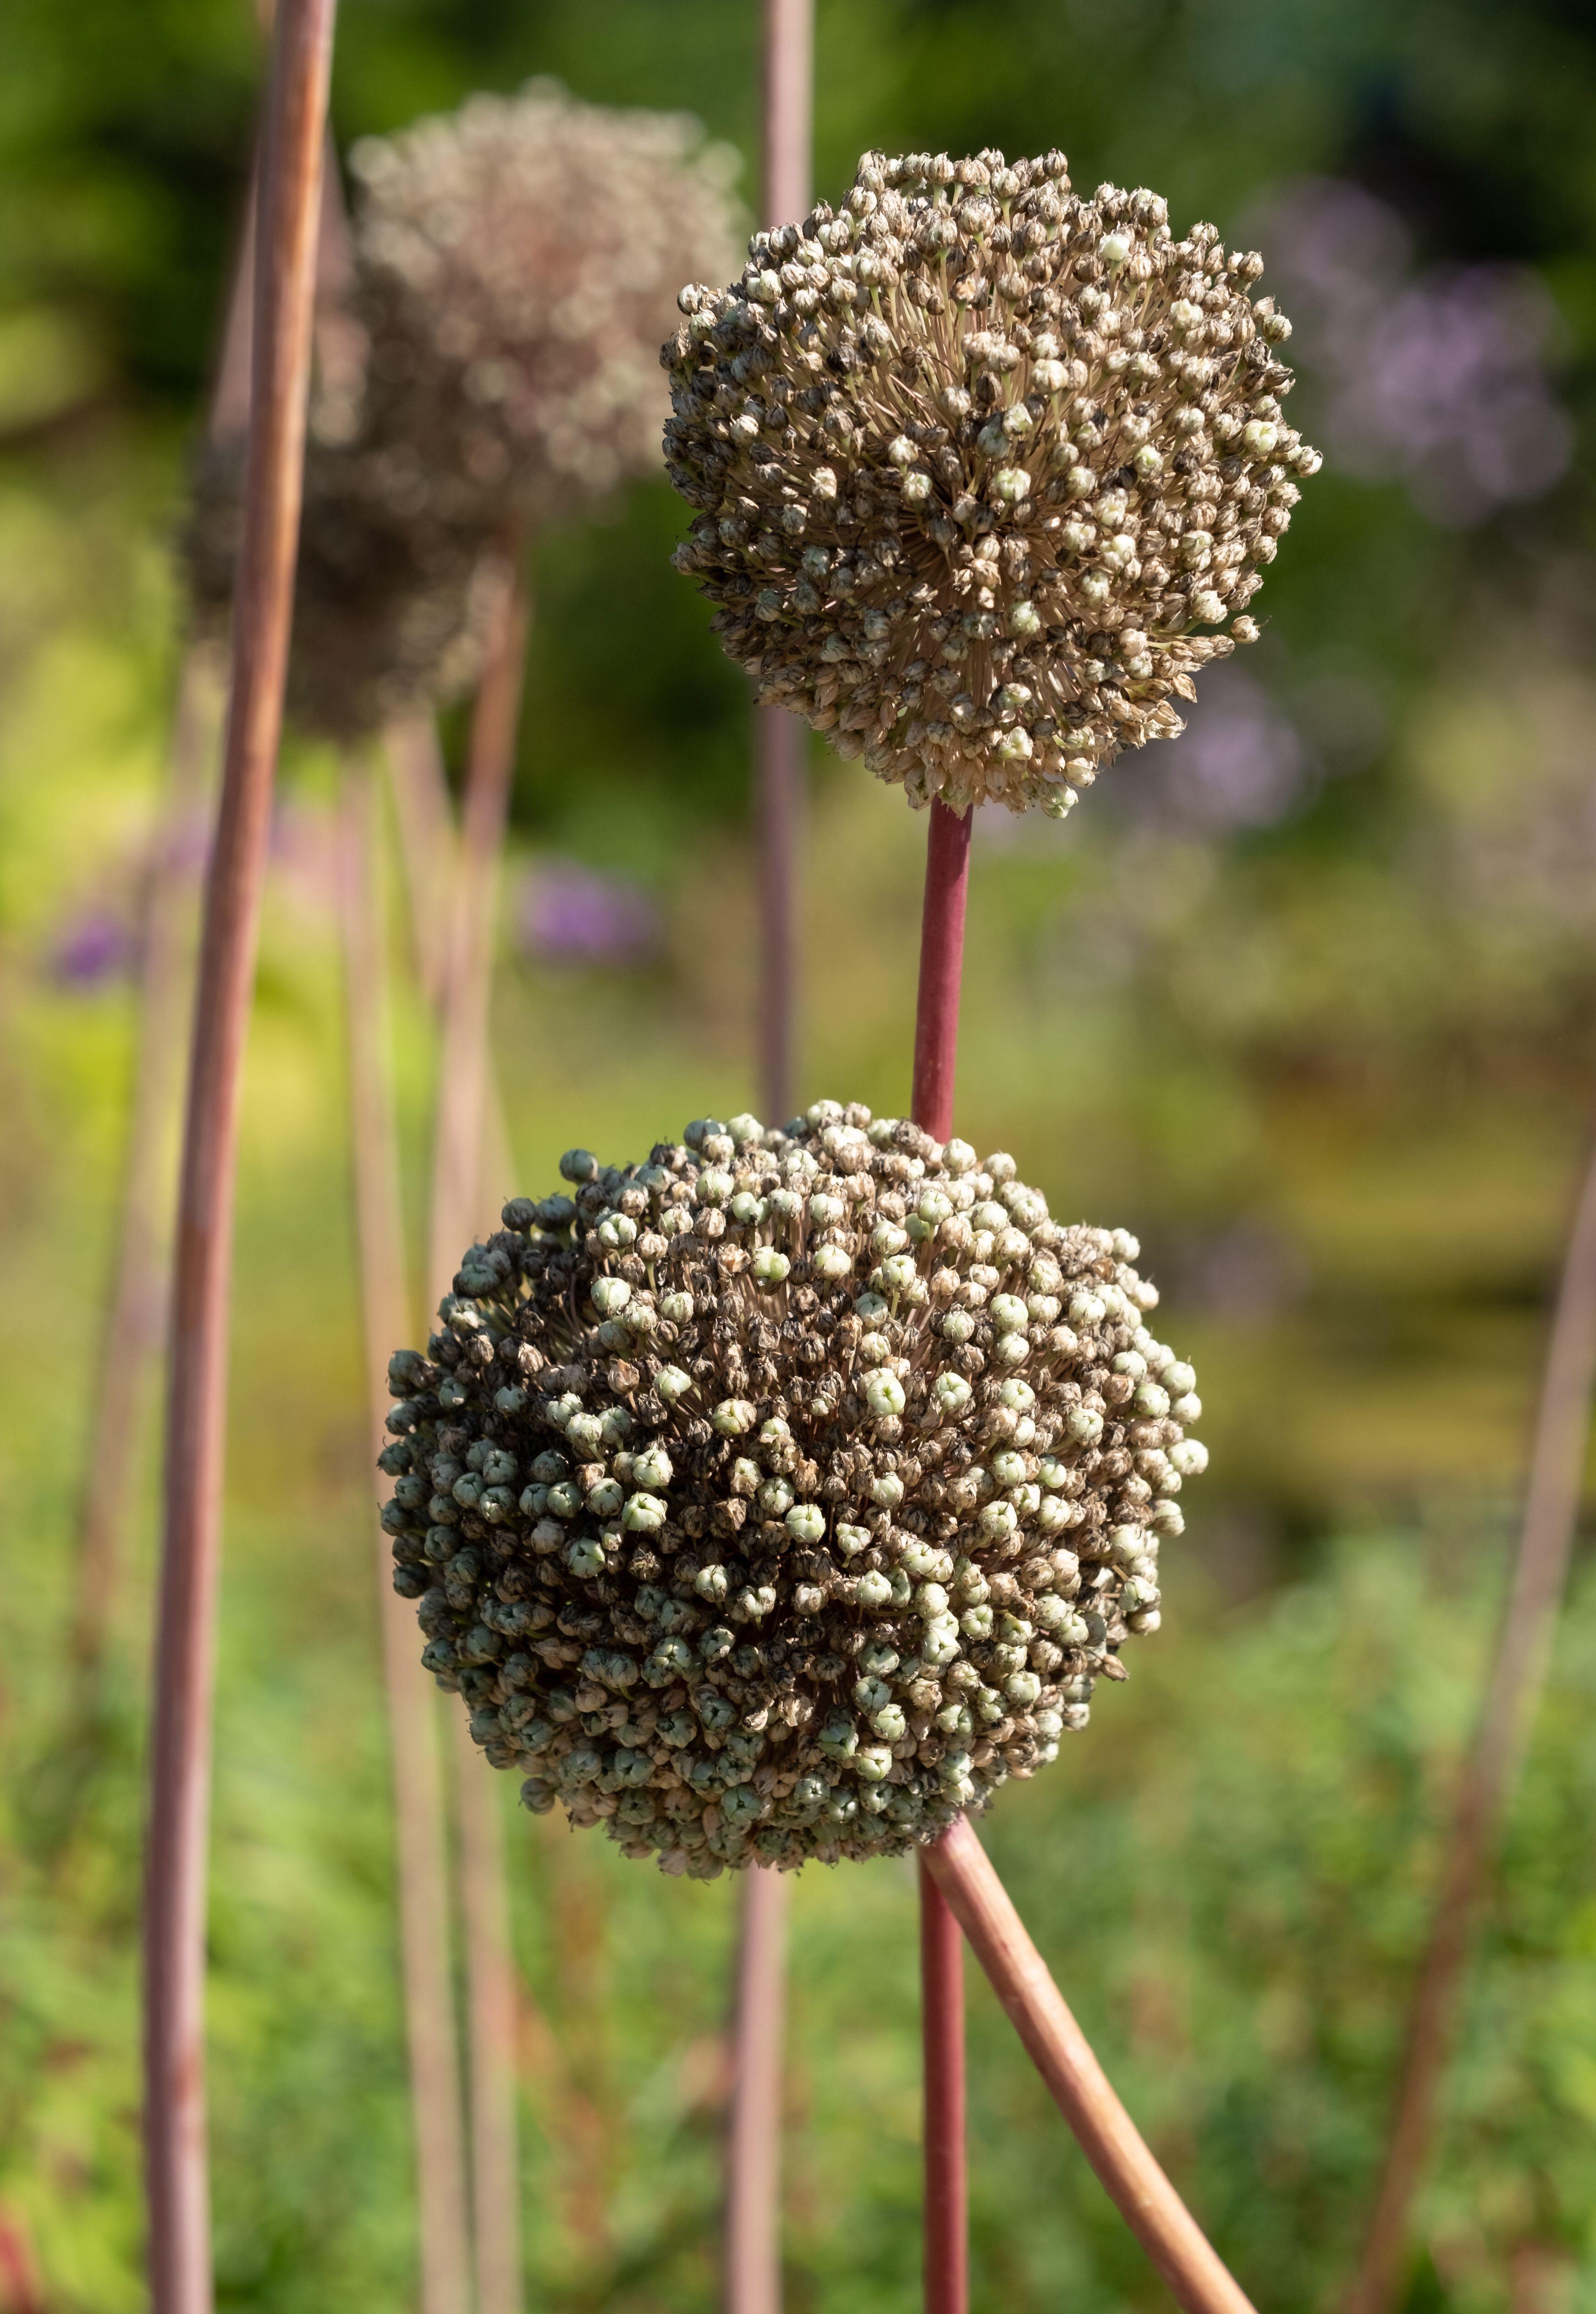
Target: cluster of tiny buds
x,y
515,264
780,1497
985,471
394,609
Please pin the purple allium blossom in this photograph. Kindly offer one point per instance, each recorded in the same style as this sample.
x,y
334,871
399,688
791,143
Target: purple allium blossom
x,y
1433,378
569,915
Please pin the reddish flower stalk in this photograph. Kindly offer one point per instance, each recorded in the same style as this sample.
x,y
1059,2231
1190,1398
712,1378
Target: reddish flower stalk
x,y
946,2222
493,2012
136,1313
1518,1669
753,2147
941,1957
426,840
464,1085
180,1744
1109,2138
422,1852
464,1068
752,2279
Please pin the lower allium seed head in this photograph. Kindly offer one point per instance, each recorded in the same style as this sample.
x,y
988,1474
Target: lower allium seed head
x,y
757,1562
975,460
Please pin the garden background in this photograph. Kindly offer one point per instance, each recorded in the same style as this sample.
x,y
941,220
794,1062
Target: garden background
x,y
1307,999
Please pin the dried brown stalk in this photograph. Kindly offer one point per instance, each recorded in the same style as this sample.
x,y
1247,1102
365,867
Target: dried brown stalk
x,y
180,1743
136,1315
752,2279
464,1067
1517,1670
464,1082
1058,2048
494,2014
428,841
422,1856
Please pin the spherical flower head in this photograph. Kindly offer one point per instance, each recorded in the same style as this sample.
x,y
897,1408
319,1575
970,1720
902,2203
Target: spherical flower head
x,y
395,607
517,263
985,471
781,1496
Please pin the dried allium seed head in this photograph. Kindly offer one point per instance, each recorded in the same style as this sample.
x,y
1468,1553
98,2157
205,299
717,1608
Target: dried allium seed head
x,y
781,1496
517,263
976,460
394,609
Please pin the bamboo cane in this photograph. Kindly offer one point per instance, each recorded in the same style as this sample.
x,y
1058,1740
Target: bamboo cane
x,y
1517,1670
180,1744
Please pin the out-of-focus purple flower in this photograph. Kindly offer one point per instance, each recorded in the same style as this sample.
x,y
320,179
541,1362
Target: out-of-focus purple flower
x,y
1436,379
93,947
568,914
1239,763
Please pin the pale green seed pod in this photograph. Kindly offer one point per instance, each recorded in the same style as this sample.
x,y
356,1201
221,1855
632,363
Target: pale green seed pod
x,y
884,1394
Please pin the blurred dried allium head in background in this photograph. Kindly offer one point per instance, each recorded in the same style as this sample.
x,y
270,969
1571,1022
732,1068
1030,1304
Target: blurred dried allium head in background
x,y
394,608
781,1496
975,460
517,262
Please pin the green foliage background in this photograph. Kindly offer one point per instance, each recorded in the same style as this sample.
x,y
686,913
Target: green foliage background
x,y
1336,1070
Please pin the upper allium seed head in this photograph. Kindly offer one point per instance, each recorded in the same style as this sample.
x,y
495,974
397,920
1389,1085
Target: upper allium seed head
x,y
967,431
760,1559
514,266
518,261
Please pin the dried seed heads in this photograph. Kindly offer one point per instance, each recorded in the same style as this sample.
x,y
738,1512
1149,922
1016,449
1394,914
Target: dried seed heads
x,y
514,266
781,1496
395,607
517,263
975,462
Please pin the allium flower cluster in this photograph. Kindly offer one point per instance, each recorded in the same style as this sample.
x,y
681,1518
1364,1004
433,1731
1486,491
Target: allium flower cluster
x,y
395,608
516,265
781,1496
987,472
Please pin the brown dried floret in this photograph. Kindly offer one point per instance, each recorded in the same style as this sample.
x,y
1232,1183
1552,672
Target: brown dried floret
x,y
394,608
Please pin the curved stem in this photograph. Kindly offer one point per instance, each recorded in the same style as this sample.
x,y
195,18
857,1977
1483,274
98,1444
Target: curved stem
x,y
1109,2137
180,1743
1518,1670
